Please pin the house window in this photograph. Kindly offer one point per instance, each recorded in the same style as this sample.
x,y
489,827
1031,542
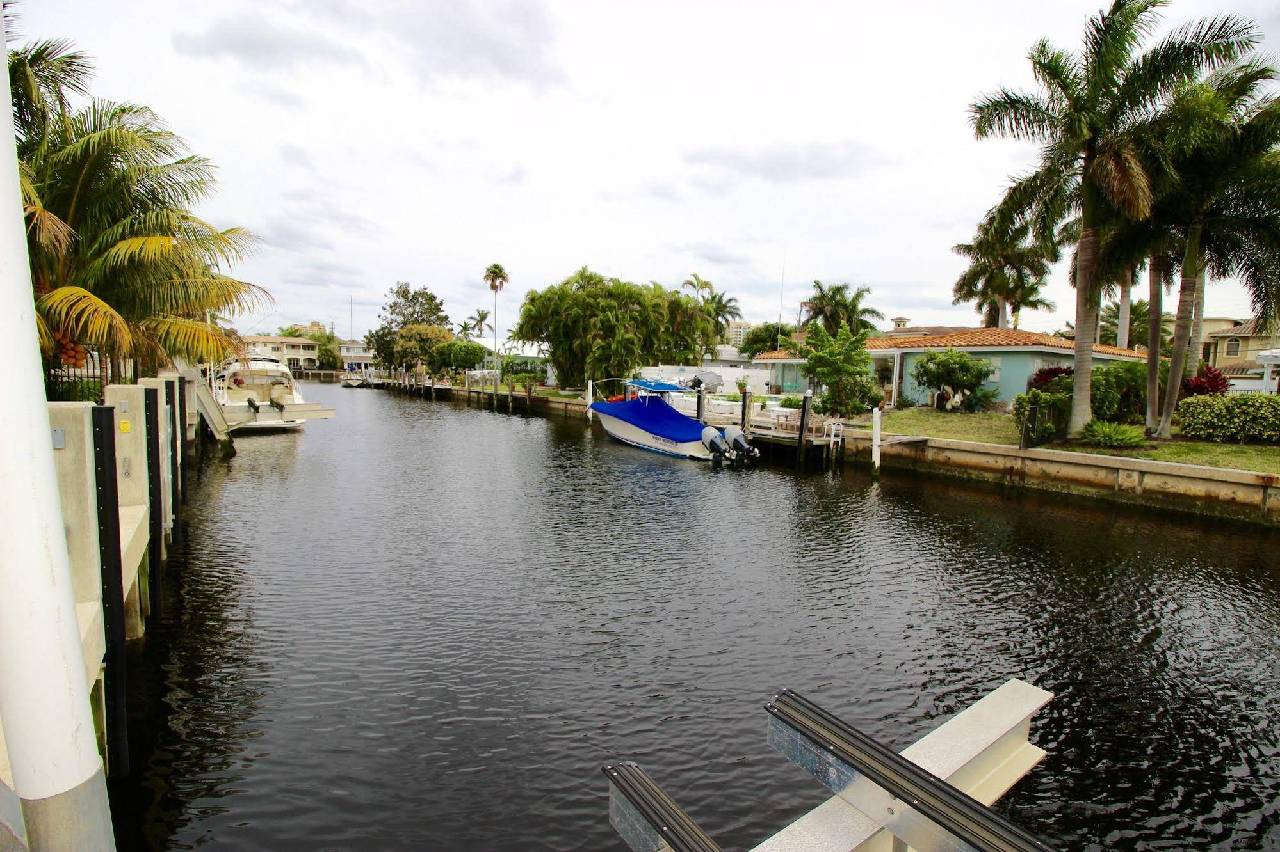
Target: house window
x,y
1233,347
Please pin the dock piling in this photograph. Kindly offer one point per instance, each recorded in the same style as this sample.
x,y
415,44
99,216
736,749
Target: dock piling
x,y
115,662
805,406
155,493
875,439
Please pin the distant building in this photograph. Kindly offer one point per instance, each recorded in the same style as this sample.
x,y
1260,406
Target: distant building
x,y
902,328
355,355
1234,349
314,327
726,356
295,352
736,331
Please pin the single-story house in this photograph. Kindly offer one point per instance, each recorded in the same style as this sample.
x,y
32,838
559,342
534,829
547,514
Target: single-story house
x,y
1014,354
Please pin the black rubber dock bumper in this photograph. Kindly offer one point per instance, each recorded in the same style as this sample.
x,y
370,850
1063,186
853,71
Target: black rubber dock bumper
x,y
647,818
917,806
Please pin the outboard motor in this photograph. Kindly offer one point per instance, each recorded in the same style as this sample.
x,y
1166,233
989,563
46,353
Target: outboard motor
x,y
743,452
715,444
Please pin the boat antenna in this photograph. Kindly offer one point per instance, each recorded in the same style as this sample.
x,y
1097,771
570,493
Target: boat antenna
x,y
782,286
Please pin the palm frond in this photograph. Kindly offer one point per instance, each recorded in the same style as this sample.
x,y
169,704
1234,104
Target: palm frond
x,y
86,318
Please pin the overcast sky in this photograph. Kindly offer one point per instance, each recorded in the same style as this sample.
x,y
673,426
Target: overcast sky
x,y
384,140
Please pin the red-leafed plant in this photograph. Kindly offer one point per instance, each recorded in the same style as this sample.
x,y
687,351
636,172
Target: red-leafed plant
x,y
1208,381
1045,375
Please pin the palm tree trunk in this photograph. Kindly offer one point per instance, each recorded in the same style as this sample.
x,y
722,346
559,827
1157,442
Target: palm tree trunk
x,y
1003,321
1196,350
1087,310
1155,331
1122,318
1181,330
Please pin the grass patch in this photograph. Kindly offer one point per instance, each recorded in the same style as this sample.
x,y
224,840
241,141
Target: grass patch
x,y
988,427
995,428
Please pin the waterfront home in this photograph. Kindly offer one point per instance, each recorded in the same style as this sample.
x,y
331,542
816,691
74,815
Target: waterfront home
x,y
1014,355
1236,350
295,352
355,355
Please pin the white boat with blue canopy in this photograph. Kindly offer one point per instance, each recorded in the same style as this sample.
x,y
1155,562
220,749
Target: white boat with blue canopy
x,y
648,420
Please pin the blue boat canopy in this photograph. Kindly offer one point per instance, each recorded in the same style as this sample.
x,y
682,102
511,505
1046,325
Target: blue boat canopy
x,y
655,416
655,386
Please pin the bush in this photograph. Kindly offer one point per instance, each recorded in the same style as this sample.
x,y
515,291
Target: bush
x,y
1041,416
1045,375
792,402
951,368
1237,419
982,399
1207,380
1099,433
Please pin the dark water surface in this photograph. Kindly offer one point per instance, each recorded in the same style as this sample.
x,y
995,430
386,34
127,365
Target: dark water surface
x,y
426,626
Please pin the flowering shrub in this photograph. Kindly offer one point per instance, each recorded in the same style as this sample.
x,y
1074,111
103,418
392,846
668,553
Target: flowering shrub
x,y
1246,417
1207,380
1041,416
1045,375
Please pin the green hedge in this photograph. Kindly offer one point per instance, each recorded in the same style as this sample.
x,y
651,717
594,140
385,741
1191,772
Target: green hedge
x,y
1237,419
1041,416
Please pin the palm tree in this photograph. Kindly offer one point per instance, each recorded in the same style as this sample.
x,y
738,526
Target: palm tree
x,y
721,309
831,306
1226,205
1091,117
496,277
1005,273
1139,321
701,288
478,323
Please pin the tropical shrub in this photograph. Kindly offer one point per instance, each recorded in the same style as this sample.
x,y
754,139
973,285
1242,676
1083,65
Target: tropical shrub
x,y
528,381
1120,392
456,355
791,402
842,366
1042,377
1041,416
953,369
1207,380
1100,433
982,399
1236,419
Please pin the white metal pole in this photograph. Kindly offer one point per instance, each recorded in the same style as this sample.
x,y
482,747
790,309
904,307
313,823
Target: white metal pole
x,y
875,438
590,396
44,700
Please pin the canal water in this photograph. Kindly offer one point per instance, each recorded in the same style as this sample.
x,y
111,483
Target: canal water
x,y
422,625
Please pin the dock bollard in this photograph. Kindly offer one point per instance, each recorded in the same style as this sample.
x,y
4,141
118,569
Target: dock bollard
x,y
875,439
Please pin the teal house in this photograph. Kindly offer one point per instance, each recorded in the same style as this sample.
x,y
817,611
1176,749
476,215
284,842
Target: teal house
x,y
1015,356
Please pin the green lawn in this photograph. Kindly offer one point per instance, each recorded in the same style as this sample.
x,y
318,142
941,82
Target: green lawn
x,y
995,428
988,427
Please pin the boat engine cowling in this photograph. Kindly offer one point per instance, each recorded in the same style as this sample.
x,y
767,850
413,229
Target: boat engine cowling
x,y
715,443
743,452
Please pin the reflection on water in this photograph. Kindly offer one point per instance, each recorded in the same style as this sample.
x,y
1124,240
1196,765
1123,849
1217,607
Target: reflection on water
x,y
425,625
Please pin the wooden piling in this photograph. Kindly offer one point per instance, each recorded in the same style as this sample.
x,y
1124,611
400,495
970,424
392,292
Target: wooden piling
x,y
804,427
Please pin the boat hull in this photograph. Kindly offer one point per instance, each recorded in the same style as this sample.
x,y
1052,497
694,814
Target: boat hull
x,y
629,433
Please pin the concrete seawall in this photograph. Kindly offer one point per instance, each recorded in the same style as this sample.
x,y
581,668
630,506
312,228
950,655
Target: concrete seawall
x,y
1241,494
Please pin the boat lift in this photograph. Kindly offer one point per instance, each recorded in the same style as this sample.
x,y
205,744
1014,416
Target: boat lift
x,y
891,791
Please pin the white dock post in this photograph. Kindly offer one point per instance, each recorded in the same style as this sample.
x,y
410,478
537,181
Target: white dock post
x,y
875,438
44,702
591,389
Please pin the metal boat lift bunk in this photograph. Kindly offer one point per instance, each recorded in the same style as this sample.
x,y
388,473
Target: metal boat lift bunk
x,y
921,810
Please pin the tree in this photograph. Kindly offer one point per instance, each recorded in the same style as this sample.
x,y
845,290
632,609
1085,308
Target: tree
x,y
830,306
721,309
415,343
1139,320
1006,273
456,355
1091,117
478,323
603,328
842,366
766,338
496,277
702,288
953,369
119,262
405,306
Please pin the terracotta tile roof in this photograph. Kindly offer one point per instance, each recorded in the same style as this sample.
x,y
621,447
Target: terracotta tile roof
x,y
1248,328
1242,369
978,338
927,330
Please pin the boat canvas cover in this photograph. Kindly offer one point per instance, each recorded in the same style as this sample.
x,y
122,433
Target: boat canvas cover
x,y
655,416
655,386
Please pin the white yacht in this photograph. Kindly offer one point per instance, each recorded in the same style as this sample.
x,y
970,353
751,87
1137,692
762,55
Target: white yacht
x,y
257,392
